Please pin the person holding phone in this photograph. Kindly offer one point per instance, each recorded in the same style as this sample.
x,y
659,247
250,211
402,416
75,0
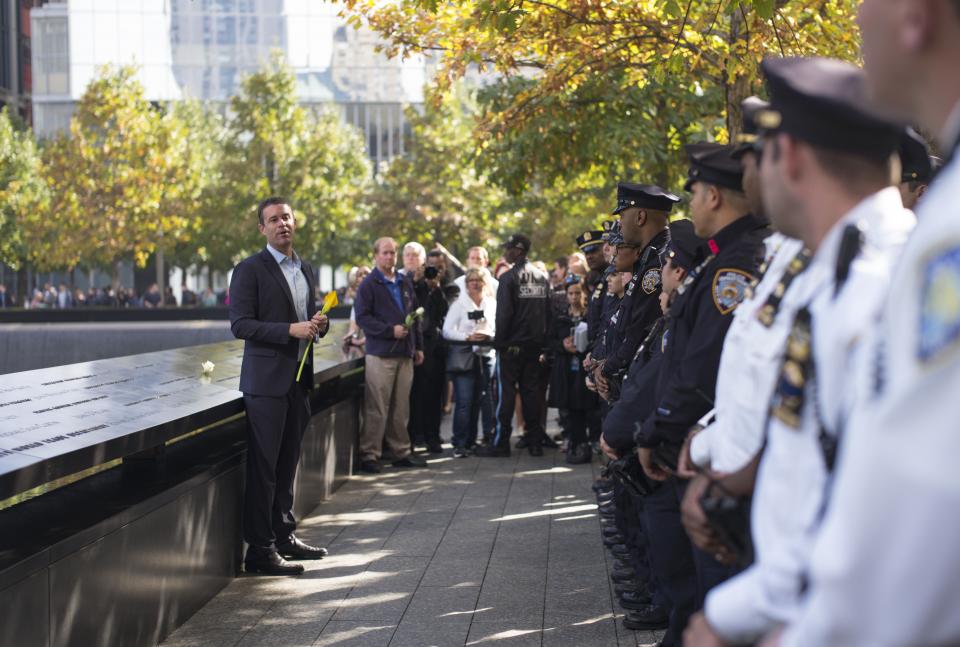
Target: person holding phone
x,y
471,318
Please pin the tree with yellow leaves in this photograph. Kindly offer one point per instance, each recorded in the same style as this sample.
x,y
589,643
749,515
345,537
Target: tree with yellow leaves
x,y
619,83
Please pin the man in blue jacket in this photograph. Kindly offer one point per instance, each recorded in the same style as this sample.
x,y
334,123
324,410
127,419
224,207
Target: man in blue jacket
x,y
383,302
272,310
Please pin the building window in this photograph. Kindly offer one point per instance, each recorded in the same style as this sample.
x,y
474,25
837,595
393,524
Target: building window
x,y
50,49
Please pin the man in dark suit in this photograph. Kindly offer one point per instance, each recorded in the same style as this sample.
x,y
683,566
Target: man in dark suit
x,y
272,309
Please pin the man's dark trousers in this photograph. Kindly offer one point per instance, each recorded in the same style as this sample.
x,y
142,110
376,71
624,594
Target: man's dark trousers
x,y
261,311
521,369
275,429
428,394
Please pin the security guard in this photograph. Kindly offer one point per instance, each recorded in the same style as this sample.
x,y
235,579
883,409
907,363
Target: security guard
x,y
826,182
885,564
523,315
644,211
699,315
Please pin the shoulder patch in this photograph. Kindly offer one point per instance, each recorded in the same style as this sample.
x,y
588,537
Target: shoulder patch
x,y
729,288
650,281
939,305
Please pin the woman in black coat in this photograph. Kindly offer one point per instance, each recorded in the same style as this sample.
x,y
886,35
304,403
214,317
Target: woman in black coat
x,y
568,389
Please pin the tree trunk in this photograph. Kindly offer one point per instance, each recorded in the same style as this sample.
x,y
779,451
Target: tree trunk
x,y
738,90
115,275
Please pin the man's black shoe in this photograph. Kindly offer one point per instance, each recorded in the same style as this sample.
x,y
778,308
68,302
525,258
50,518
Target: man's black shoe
x,y
602,485
272,564
492,451
620,551
635,600
579,455
651,616
549,442
613,540
634,588
435,449
410,461
535,449
296,549
622,565
370,467
522,443
621,575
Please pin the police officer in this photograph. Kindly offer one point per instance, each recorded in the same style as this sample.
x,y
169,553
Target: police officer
x,y
644,211
753,346
699,315
826,182
598,290
523,313
885,564
635,403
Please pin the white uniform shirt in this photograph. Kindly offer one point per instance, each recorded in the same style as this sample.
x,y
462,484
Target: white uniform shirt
x,y
749,366
885,569
792,477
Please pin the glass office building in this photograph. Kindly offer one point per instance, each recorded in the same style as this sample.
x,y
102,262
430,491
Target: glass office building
x,y
202,49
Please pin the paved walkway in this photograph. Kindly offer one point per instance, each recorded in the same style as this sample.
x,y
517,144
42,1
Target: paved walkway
x,y
494,551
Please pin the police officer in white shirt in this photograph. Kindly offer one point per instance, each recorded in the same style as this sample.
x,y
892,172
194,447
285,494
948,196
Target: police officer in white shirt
x,y
885,569
827,181
753,347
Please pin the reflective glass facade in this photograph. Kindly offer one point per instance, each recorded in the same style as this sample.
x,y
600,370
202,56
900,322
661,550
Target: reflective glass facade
x,y
202,49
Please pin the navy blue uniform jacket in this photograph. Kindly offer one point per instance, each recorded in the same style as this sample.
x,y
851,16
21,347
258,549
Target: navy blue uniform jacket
x,y
697,323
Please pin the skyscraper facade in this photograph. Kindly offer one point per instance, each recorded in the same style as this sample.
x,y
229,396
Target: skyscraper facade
x,y
203,48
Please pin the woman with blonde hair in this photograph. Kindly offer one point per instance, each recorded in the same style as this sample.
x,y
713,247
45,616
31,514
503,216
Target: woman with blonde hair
x,y
471,318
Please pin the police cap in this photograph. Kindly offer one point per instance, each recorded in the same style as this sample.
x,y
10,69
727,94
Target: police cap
x,y
644,196
683,247
915,159
590,240
749,107
824,102
713,164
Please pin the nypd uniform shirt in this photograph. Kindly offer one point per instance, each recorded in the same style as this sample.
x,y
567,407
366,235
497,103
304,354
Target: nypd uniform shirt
x,y
886,566
605,338
698,320
814,395
639,309
598,292
750,363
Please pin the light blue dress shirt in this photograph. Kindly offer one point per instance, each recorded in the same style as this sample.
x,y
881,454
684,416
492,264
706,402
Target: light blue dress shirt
x,y
291,268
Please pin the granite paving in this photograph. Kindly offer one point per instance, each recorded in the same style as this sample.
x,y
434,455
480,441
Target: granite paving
x,y
476,551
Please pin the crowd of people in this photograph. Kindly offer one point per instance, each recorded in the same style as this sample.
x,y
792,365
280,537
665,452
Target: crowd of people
x,y
498,344
64,297
770,379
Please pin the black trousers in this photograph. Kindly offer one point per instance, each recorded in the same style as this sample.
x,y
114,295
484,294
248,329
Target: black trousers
x,y
427,395
520,371
670,556
275,429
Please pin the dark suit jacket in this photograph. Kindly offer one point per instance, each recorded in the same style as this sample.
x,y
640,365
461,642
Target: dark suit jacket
x,y
261,311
